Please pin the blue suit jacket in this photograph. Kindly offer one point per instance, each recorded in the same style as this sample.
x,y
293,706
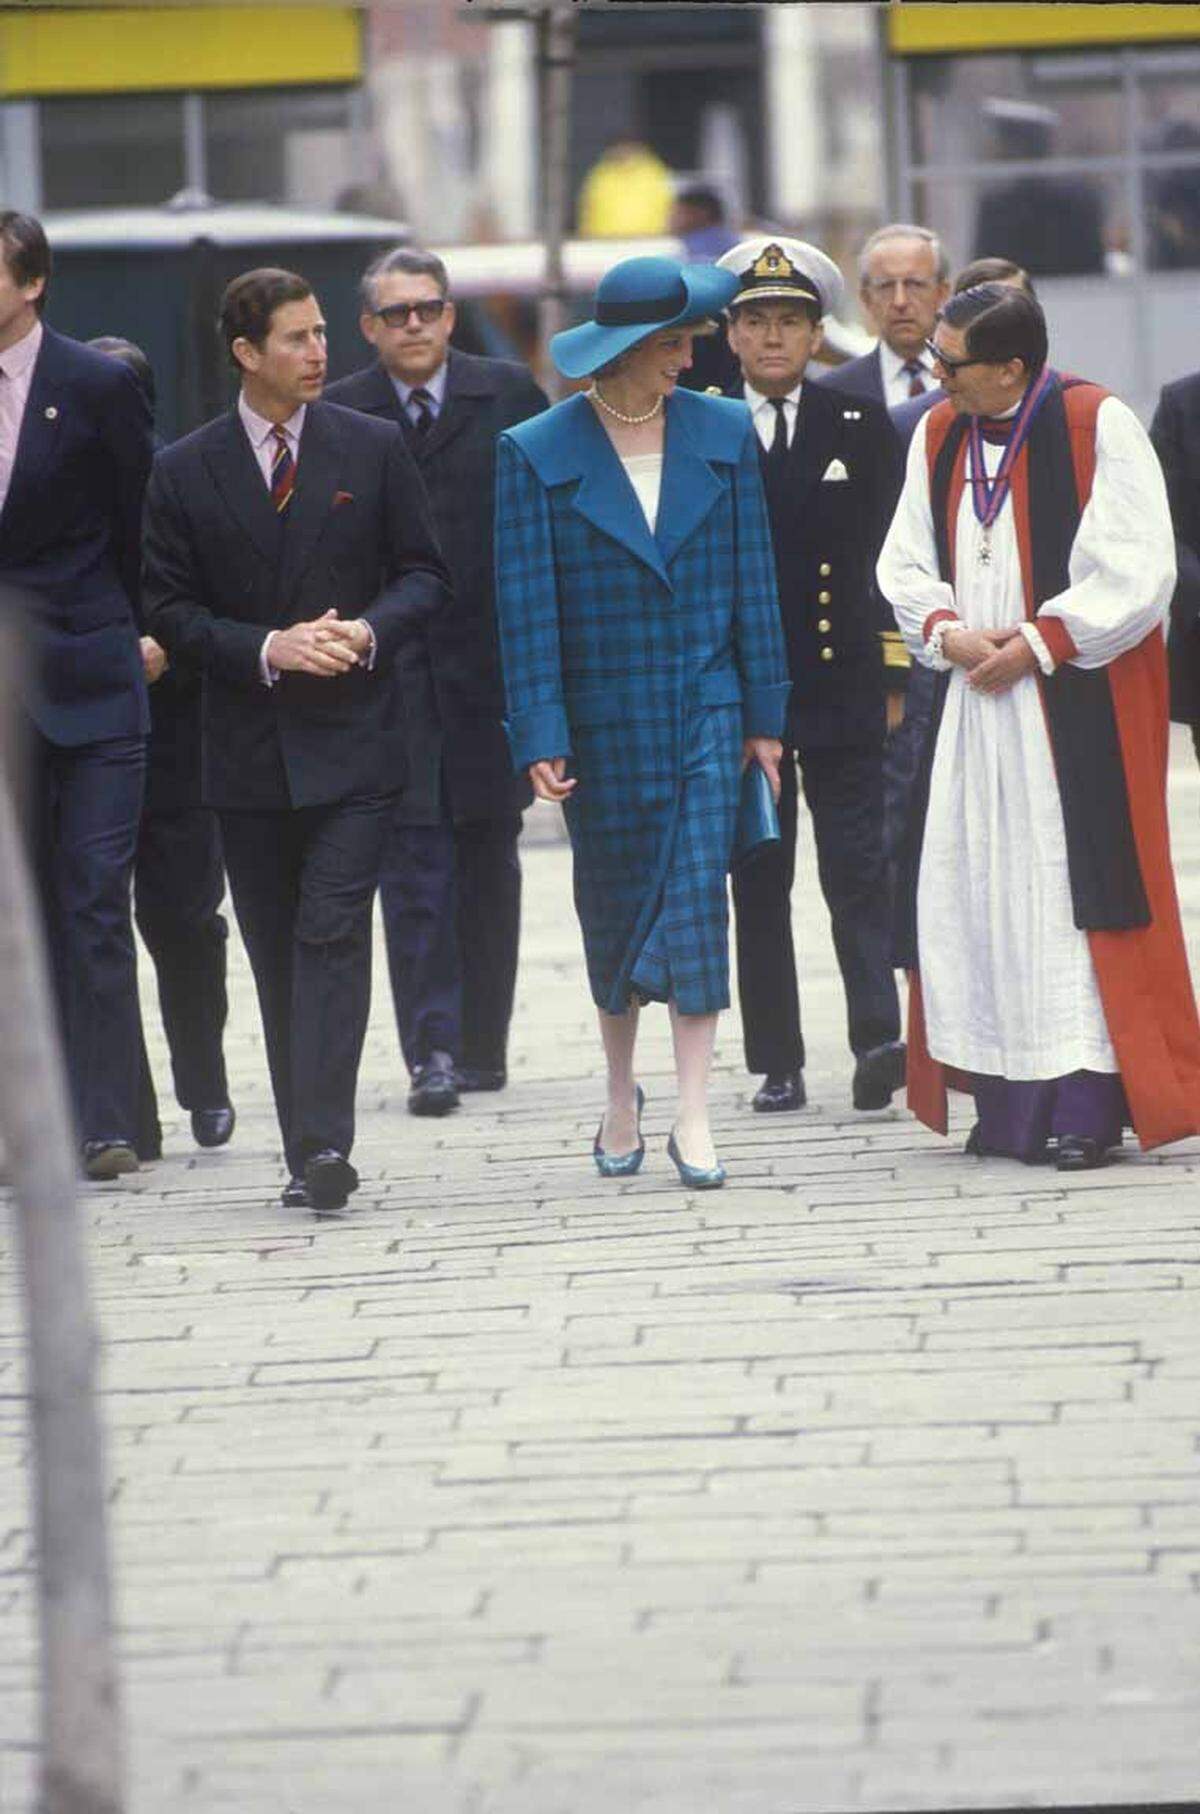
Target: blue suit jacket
x,y
70,542
861,377
615,640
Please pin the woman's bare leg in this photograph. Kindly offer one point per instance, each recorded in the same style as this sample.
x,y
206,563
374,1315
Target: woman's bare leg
x,y
693,1035
619,1134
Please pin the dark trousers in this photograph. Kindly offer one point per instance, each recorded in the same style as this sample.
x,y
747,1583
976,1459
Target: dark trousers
x,y
843,789
81,809
302,884
902,757
451,899
178,882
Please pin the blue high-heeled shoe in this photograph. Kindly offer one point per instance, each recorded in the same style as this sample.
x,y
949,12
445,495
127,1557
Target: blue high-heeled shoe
x,y
694,1177
620,1165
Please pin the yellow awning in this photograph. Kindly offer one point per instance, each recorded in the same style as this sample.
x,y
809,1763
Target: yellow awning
x,y
919,29
97,50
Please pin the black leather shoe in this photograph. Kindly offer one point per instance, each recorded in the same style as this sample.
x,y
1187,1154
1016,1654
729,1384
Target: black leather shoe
x,y
975,1149
329,1179
212,1127
434,1088
780,1090
878,1074
473,1077
294,1194
104,1160
1076,1153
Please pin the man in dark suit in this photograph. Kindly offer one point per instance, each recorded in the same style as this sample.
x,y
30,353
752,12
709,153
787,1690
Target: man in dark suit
x,y
1175,432
290,554
831,473
451,878
903,282
178,884
75,449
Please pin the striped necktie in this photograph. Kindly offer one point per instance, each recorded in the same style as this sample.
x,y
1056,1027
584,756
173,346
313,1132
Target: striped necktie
x,y
283,472
915,373
422,401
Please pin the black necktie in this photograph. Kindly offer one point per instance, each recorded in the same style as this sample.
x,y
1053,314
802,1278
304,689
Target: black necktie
x,y
916,377
422,401
777,452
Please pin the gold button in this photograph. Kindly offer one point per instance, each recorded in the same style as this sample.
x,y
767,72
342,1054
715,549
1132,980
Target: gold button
x,y
824,598
827,654
824,625
824,569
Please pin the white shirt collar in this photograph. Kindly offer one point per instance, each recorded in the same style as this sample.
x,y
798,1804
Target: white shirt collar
x,y
259,429
756,399
435,385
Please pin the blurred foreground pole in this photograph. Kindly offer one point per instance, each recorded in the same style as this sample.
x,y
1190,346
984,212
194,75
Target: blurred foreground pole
x,y
81,1756
556,58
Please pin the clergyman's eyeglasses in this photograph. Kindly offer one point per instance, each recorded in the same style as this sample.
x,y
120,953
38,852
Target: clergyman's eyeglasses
x,y
952,365
396,314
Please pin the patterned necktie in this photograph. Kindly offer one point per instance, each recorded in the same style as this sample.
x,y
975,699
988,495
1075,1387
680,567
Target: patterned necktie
x,y
916,378
283,472
422,401
777,452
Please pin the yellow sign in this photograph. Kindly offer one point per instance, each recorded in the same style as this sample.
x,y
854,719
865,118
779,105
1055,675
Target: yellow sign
x,y
97,50
917,29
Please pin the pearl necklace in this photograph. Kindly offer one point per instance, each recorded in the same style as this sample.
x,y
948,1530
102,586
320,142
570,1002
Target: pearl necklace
x,y
630,421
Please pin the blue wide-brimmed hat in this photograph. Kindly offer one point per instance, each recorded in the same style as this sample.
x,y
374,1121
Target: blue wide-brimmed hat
x,y
637,298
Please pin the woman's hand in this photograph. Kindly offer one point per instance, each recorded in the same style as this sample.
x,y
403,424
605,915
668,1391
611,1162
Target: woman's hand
x,y
767,752
547,779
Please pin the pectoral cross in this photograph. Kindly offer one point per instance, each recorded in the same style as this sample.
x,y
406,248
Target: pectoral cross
x,y
985,551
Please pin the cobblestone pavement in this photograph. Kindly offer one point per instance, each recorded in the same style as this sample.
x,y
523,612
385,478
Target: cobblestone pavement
x,y
871,1481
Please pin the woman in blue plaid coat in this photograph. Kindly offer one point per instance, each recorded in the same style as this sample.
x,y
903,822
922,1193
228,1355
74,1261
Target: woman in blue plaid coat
x,y
644,664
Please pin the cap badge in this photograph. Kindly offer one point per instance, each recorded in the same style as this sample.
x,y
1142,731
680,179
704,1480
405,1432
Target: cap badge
x,y
773,262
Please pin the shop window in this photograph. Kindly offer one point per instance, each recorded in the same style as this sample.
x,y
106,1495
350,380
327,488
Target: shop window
x,y
290,145
111,151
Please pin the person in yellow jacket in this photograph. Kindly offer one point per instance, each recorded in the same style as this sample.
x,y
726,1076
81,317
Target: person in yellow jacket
x,y
627,191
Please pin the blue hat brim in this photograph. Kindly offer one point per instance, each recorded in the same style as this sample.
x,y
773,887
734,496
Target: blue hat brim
x,y
580,351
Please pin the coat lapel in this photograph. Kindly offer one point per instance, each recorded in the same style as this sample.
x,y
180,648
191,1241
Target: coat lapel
x,y
44,410
455,413
240,481
317,472
607,499
690,488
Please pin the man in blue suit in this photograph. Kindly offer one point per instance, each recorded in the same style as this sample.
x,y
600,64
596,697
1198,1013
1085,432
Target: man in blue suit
x,y
75,452
903,281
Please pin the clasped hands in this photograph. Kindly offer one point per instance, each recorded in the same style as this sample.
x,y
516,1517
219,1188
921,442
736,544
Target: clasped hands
x,y
324,645
994,659
550,781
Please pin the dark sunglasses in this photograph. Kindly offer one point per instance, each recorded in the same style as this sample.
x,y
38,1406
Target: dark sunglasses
x,y
952,365
396,314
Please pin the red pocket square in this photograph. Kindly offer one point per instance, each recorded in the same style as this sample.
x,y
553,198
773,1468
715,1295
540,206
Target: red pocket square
x,y
342,497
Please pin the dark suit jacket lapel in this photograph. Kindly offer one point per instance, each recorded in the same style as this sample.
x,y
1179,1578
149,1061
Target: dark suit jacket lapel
x,y
45,405
238,476
380,397
462,384
812,444
317,471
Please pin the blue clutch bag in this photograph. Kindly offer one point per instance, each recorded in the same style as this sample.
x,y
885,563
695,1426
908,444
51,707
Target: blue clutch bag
x,y
757,824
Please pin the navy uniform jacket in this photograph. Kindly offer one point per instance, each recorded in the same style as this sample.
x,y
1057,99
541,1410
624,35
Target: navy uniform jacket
x,y
457,461
70,542
221,569
1175,432
862,377
827,532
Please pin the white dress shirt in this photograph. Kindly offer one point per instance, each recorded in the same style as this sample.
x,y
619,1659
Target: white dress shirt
x,y
16,365
896,381
762,412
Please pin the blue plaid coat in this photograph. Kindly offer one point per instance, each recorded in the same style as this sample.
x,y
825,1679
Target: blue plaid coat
x,y
645,658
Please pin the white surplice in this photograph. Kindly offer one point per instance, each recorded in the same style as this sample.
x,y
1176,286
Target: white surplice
x,y
1007,979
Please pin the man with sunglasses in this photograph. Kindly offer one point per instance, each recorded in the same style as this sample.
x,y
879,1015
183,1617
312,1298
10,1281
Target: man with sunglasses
x,y
1030,564
451,880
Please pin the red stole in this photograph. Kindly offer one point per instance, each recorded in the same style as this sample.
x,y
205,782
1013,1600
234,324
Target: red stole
x,y
1142,972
